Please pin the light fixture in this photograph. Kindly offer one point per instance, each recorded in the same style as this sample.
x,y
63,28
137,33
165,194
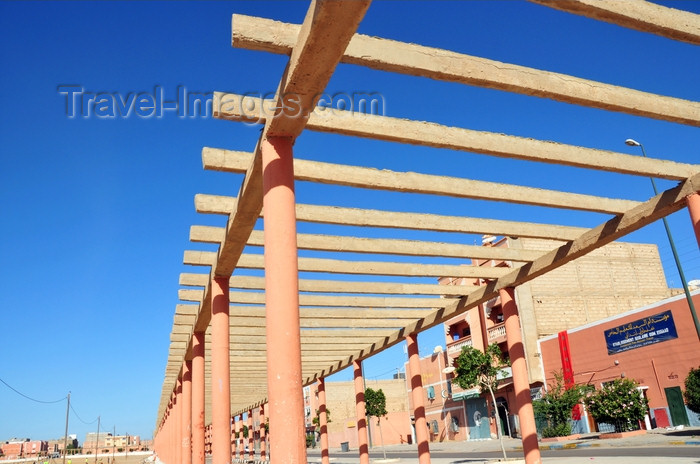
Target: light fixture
x,y
681,274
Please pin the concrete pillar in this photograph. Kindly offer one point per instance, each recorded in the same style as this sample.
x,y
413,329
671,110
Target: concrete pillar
x,y
234,437
187,413
198,398
241,438
251,435
360,412
693,201
220,372
323,421
263,433
171,439
477,327
417,397
177,423
521,382
284,385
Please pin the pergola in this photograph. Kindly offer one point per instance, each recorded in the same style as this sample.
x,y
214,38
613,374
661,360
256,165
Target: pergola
x,y
256,341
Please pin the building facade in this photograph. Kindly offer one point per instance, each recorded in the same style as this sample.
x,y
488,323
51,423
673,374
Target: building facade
x,y
606,282
17,448
655,345
340,402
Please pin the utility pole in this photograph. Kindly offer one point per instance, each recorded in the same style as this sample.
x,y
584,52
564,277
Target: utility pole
x,y
97,441
65,436
114,441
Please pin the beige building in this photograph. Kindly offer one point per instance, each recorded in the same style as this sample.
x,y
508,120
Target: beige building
x,y
340,401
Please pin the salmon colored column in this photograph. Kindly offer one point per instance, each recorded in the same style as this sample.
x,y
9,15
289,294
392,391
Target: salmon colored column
x,y
263,435
693,201
220,373
323,420
521,382
241,438
360,412
417,396
187,413
284,386
177,423
198,398
171,429
251,438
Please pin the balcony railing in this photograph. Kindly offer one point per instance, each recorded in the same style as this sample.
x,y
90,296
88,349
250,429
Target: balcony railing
x,y
457,347
497,332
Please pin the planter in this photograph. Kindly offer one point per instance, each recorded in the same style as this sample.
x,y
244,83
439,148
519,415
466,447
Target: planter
x,y
622,434
566,438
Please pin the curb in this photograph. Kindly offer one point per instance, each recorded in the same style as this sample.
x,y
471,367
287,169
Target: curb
x,y
556,446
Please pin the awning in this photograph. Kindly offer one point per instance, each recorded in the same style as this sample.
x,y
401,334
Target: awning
x,y
466,394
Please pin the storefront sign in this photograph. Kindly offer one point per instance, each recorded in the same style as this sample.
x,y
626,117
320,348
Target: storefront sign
x,y
642,332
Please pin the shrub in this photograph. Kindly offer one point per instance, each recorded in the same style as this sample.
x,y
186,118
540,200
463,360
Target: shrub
x,y
618,403
692,390
556,405
559,430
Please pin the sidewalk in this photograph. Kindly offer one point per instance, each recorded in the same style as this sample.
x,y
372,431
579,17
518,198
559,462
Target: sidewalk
x,y
688,436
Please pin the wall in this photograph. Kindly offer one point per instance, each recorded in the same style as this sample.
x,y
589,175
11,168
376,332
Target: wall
x,y
657,366
608,281
340,399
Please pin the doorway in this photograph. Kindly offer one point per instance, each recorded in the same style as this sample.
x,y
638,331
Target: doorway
x,y
503,415
674,397
478,419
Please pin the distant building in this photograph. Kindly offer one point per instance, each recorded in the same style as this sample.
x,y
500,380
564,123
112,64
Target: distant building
x,y
106,442
133,442
56,445
340,401
17,448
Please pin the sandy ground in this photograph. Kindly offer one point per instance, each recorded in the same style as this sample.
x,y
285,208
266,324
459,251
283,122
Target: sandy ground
x,y
119,458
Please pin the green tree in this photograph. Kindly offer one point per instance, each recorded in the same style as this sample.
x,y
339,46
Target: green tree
x,y
375,406
317,422
475,368
692,390
618,403
556,405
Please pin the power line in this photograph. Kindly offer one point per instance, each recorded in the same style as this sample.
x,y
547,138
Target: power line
x,y
29,397
81,420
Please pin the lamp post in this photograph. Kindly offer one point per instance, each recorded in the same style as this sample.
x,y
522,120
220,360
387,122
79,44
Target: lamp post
x,y
634,143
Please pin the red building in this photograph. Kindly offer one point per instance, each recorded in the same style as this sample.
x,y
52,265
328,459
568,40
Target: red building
x,y
655,345
23,448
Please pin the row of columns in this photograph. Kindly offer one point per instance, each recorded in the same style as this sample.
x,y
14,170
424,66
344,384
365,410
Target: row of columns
x,y
286,407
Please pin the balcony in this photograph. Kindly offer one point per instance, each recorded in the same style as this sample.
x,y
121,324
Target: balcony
x,y
497,333
456,347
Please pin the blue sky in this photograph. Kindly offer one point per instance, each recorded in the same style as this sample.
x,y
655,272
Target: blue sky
x,y
96,212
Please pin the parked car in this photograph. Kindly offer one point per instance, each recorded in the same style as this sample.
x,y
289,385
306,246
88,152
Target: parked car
x,y
55,455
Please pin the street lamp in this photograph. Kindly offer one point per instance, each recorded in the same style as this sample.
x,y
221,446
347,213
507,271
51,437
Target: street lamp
x,y
634,143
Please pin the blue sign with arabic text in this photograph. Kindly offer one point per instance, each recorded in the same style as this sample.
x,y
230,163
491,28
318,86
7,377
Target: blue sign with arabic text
x,y
642,332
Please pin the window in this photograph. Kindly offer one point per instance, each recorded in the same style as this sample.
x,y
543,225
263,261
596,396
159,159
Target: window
x,y
434,427
431,392
454,424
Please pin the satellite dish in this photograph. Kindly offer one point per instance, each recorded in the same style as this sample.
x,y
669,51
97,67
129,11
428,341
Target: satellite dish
x,y
437,349
448,370
694,283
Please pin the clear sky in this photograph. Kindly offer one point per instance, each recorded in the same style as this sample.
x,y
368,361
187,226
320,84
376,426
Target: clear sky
x,y
96,211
